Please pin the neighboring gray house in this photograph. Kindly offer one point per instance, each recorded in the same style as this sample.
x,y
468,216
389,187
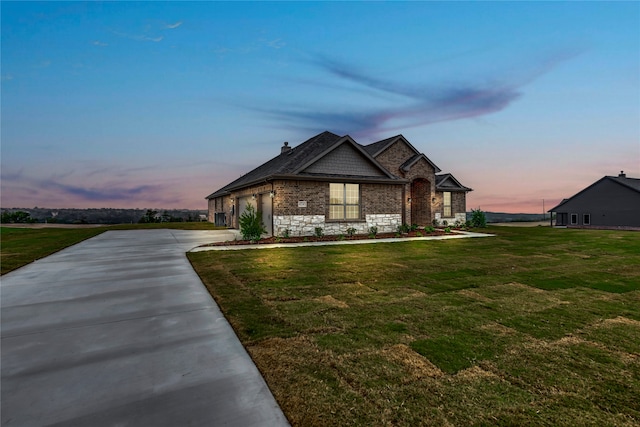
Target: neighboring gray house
x,y
611,202
332,182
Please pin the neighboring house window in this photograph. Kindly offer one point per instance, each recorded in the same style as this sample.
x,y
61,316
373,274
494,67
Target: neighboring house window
x,y
574,219
586,219
447,204
344,201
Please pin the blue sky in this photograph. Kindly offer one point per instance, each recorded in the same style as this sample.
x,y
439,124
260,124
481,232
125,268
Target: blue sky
x,y
157,104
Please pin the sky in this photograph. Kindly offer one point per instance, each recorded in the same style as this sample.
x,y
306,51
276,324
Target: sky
x,y
158,104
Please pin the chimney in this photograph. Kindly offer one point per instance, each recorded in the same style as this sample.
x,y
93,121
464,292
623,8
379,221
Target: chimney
x,y
285,148
622,175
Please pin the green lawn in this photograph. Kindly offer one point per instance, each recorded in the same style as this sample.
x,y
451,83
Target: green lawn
x,y
536,326
20,246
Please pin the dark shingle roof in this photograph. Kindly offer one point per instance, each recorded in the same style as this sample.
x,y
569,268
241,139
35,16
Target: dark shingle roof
x,y
377,147
291,162
632,183
453,183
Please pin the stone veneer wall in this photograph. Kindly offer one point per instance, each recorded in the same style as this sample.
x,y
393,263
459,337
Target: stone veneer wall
x,y
458,217
305,225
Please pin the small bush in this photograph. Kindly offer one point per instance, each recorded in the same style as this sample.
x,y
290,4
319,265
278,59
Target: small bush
x,y
319,232
341,237
373,231
404,228
419,234
447,230
351,231
286,233
413,227
444,222
478,218
251,226
429,229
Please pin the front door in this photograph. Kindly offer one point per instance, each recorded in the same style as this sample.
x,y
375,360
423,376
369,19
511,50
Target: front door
x,y
420,203
266,209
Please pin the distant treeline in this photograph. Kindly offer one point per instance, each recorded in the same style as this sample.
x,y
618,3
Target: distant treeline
x,y
99,215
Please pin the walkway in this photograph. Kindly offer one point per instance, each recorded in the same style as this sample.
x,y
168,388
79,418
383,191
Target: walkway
x,y
119,330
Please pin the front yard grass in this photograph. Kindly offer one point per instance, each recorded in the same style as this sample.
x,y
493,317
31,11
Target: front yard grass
x,y
536,326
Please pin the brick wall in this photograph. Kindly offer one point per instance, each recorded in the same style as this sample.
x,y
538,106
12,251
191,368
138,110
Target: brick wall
x,y
394,156
458,207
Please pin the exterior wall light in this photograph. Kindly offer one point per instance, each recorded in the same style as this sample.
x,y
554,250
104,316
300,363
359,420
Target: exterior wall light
x,y
409,200
272,194
253,196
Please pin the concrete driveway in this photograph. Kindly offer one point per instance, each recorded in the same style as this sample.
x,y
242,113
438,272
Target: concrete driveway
x,y
119,330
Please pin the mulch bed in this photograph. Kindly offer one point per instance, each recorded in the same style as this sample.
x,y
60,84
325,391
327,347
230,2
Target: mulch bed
x,y
332,238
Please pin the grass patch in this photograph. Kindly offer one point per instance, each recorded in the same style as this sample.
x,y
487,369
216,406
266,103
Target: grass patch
x,y
20,246
536,326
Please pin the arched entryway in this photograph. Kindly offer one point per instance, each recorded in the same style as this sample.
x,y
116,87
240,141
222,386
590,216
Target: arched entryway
x,y
420,202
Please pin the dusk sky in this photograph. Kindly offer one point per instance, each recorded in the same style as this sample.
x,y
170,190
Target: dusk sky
x,y
158,104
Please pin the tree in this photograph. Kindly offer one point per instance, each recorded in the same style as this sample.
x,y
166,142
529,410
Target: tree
x,y
149,216
17,217
478,218
251,225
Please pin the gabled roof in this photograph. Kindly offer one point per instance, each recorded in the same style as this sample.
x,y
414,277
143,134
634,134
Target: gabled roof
x,y
406,166
376,148
292,164
631,183
447,182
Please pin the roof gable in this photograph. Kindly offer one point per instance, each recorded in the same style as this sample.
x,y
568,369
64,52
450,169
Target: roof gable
x,y
447,182
375,148
632,184
406,166
345,159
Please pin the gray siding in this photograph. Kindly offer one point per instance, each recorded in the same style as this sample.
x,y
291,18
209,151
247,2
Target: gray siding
x,y
607,203
344,160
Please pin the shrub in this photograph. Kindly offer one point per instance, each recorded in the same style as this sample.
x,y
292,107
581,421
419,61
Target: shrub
x,y
429,229
341,237
373,230
444,222
447,230
319,232
251,226
286,233
478,218
413,227
351,231
418,234
404,228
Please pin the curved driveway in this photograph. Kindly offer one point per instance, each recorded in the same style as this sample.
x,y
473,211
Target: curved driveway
x,y
119,330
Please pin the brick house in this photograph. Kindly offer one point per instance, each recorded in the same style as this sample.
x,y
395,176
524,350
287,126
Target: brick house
x,y
610,202
332,182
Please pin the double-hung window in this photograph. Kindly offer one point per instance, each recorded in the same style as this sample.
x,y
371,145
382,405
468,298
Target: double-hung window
x,y
446,204
574,219
586,219
344,201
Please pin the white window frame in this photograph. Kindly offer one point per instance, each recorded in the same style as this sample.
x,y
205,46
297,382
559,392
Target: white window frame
x,y
573,219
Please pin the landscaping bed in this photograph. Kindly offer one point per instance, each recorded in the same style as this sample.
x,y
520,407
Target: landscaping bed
x,y
336,238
